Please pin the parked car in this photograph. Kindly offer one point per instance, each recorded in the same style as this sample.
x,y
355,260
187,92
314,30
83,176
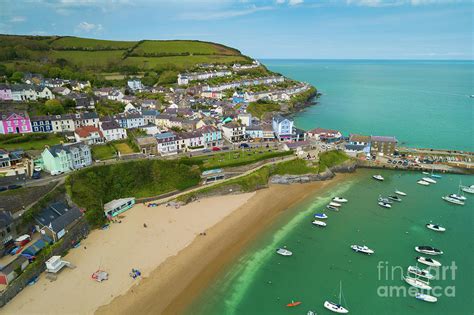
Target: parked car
x,y
3,188
244,145
55,173
225,148
14,186
216,149
206,151
36,175
37,168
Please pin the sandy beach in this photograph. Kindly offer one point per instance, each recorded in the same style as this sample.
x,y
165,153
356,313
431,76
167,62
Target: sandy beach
x,y
119,249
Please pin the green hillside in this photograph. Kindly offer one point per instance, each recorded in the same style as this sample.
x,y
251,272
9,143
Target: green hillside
x,y
89,57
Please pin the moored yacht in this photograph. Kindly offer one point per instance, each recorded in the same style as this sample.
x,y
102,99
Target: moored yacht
x,y
383,199
395,198
420,272
435,227
319,223
458,197
385,205
284,252
320,216
362,249
426,297
335,204
422,182
429,180
401,193
336,307
468,189
417,283
428,250
428,261
339,199
453,200
378,177
329,207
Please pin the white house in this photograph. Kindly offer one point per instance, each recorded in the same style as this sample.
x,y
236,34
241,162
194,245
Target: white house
x,y
112,130
135,85
89,135
190,141
234,132
282,127
167,144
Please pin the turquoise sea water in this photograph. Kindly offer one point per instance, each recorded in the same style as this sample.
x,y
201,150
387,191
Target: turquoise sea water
x,y
261,282
422,103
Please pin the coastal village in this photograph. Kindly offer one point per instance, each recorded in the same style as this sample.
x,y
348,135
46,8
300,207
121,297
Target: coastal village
x,y
236,118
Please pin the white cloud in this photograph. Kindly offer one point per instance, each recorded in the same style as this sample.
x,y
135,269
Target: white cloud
x,y
85,27
295,2
388,3
17,19
222,14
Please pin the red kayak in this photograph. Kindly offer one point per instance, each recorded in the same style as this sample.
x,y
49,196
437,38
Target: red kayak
x,y
293,304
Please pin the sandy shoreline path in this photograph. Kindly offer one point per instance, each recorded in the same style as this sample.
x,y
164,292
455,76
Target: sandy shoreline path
x,y
119,249
176,282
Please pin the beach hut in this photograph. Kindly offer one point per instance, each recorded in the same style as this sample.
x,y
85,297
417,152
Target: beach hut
x,y
10,271
117,206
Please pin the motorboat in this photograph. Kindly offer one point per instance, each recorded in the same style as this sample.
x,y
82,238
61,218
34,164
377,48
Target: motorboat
x,y
339,199
401,193
320,216
436,175
428,250
395,198
336,307
362,249
311,313
428,261
422,182
329,207
335,204
293,304
426,297
435,227
429,180
420,272
425,173
378,177
385,205
453,200
417,283
284,252
319,223
468,189
386,200
458,197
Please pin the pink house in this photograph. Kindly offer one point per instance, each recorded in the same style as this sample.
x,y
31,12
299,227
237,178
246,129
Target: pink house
x,y
5,93
11,122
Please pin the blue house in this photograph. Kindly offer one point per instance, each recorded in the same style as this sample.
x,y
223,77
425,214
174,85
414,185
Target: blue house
x,y
41,124
212,136
237,98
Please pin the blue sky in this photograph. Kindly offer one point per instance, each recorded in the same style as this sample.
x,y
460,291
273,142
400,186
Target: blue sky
x,y
330,29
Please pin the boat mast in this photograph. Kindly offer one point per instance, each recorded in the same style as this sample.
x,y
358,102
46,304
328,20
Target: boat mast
x,y
340,291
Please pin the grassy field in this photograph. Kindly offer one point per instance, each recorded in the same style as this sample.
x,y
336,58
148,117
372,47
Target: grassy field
x,y
294,167
238,158
180,62
123,148
90,43
182,46
36,141
103,152
87,59
258,109
331,158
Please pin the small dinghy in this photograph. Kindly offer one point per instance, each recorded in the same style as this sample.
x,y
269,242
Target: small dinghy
x,y
335,204
395,198
435,227
378,177
428,250
429,180
417,283
320,216
329,207
423,183
319,223
420,272
339,199
284,252
426,297
428,261
401,193
293,304
362,249
385,205
453,200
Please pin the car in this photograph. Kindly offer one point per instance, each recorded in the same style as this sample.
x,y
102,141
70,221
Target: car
x,y
36,175
225,148
14,186
55,173
206,151
37,168
3,188
244,145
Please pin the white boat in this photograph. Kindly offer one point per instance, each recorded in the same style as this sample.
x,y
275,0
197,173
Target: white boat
x,y
378,177
339,199
420,272
458,197
425,173
453,200
383,199
422,182
428,261
429,180
417,283
395,198
435,227
362,249
401,193
336,307
385,205
335,204
426,297
311,313
428,250
319,223
329,207
284,252
468,189
320,216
